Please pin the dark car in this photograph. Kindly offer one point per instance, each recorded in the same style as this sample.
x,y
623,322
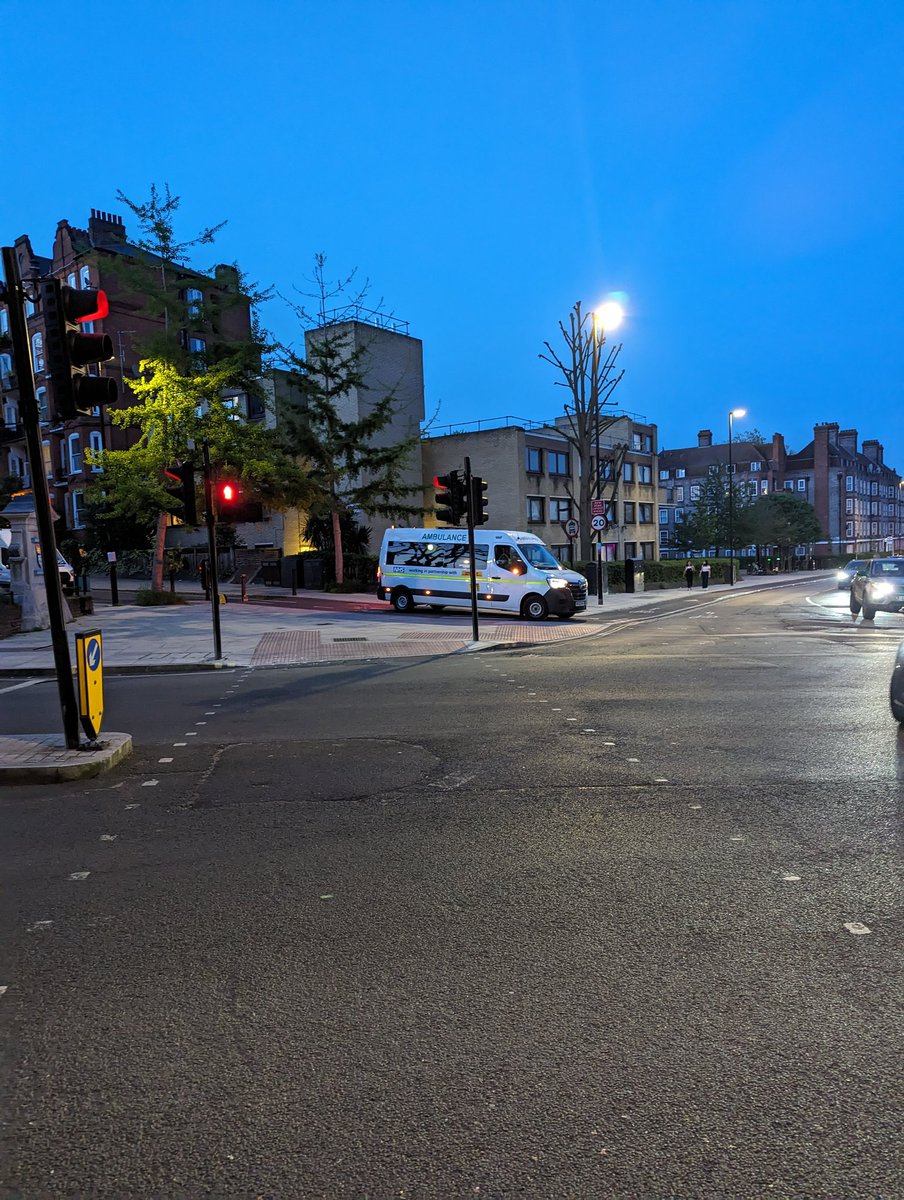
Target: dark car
x,y
878,587
896,691
847,573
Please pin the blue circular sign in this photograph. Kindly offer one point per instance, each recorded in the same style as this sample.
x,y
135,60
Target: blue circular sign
x,y
92,654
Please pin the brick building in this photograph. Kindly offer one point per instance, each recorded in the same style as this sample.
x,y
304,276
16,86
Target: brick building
x,y
857,498
87,258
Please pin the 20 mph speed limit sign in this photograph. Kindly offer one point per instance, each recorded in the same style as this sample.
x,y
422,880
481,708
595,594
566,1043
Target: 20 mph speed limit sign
x,y
599,524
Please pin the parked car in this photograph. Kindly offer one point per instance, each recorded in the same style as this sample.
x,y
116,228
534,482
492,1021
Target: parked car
x,y
847,573
896,691
878,587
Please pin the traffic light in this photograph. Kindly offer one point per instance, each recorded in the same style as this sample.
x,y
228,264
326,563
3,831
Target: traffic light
x,y
184,475
478,501
68,351
228,493
451,502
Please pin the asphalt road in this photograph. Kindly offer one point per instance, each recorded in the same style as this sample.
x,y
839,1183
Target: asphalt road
x,y
611,918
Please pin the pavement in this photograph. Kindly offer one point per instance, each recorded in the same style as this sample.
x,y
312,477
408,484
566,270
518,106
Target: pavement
x,y
275,628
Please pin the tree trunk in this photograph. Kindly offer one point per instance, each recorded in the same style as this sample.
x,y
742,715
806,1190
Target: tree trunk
x,y
337,545
159,543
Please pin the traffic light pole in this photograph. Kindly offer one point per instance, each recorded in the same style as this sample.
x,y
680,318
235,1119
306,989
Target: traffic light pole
x,y
211,519
28,412
473,569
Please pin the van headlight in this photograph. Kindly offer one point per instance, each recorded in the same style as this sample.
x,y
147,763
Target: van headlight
x,y
554,581
841,575
880,589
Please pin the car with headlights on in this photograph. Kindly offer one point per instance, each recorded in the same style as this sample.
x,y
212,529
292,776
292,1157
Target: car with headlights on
x,y
896,691
847,573
878,587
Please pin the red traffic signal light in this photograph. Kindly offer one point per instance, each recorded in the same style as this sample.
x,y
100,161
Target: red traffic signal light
x,y
69,351
229,493
451,500
184,475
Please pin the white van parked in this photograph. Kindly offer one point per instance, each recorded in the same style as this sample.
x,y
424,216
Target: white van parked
x,y
515,573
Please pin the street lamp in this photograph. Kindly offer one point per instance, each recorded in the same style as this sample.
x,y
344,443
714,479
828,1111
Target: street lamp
x,y
735,412
609,315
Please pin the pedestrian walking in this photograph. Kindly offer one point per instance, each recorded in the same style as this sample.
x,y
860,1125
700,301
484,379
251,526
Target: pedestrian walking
x,y
689,575
704,574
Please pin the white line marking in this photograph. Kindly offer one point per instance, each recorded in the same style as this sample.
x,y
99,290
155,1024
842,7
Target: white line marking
x,y
3,987
191,733
180,743
660,781
736,837
695,806
150,783
557,710
571,718
588,731
608,743
789,878
79,874
632,760
856,927
39,925
15,687
210,714
164,760
109,837
200,722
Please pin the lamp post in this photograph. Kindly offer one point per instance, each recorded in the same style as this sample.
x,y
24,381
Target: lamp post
x,y
608,316
735,412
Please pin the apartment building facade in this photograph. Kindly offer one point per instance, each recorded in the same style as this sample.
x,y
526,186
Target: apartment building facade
x,y
88,258
857,497
533,480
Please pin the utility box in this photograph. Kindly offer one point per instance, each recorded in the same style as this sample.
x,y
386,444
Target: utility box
x,y
634,579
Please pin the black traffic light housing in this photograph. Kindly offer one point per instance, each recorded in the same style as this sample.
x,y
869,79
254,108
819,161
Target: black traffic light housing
x,y
478,501
451,502
69,351
184,492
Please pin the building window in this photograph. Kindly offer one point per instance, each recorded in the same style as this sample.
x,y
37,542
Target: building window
x,y
197,345
663,516
535,506
644,473
96,443
849,483
628,472
646,551
78,510
801,485
41,398
756,466
636,442
557,462
71,280
664,536
665,474
563,551
6,369
752,490
64,457
788,485
645,514
534,457
37,351
630,549
680,472
629,511
4,321
679,495
10,416
559,510
75,454
695,491
648,443
84,277
764,486
193,301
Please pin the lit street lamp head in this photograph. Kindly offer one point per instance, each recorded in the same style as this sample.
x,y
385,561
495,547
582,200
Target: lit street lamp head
x,y
609,315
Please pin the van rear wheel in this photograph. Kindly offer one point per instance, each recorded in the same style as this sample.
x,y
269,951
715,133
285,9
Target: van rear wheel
x,y
535,609
402,600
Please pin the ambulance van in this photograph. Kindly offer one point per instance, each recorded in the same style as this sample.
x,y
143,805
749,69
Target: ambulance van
x,y
515,573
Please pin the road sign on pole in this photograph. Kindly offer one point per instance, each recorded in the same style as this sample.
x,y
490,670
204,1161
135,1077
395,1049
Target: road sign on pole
x,y
572,527
90,663
597,508
598,524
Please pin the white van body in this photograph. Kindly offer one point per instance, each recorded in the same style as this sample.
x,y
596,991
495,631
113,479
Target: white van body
x,y
514,571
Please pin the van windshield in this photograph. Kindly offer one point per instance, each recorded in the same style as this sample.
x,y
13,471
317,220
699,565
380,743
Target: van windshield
x,y
538,556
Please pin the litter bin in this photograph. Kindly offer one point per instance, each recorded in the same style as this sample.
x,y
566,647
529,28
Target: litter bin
x,y
634,575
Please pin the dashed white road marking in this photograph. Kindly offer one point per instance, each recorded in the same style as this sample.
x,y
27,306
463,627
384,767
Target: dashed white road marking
x,y
557,710
191,733
164,760
736,837
39,925
608,743
128,806
109,837
660,781
571,718
150,783
200,722
3,987
856,927
588,731
695,806
180,743
79,875
210,714
632,760
789,878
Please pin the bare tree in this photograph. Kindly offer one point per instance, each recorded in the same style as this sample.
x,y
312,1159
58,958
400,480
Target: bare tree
x,y
590,376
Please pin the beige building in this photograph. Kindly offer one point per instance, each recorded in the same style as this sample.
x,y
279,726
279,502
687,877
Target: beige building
x,y
533,480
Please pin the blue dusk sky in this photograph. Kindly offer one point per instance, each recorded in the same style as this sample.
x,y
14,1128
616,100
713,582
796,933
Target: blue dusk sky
x,y
734,168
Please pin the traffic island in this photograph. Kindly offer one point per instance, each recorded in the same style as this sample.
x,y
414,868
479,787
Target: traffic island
x,y
45,757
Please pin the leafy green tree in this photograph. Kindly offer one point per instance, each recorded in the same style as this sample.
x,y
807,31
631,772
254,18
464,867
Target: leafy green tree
x,y
753,436
350,469
181,395
782,520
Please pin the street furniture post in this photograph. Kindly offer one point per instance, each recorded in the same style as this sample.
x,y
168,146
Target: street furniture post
x,y
211,520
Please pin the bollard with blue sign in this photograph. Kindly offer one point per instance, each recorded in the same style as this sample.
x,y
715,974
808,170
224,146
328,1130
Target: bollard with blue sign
x,y
90,662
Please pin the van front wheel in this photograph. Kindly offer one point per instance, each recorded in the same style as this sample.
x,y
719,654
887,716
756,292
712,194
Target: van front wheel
x,y
534,608
402,600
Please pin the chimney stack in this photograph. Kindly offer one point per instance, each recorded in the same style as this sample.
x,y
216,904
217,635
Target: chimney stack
x,y
705,437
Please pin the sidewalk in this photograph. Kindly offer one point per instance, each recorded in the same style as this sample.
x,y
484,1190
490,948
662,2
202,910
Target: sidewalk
x,y
277,629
